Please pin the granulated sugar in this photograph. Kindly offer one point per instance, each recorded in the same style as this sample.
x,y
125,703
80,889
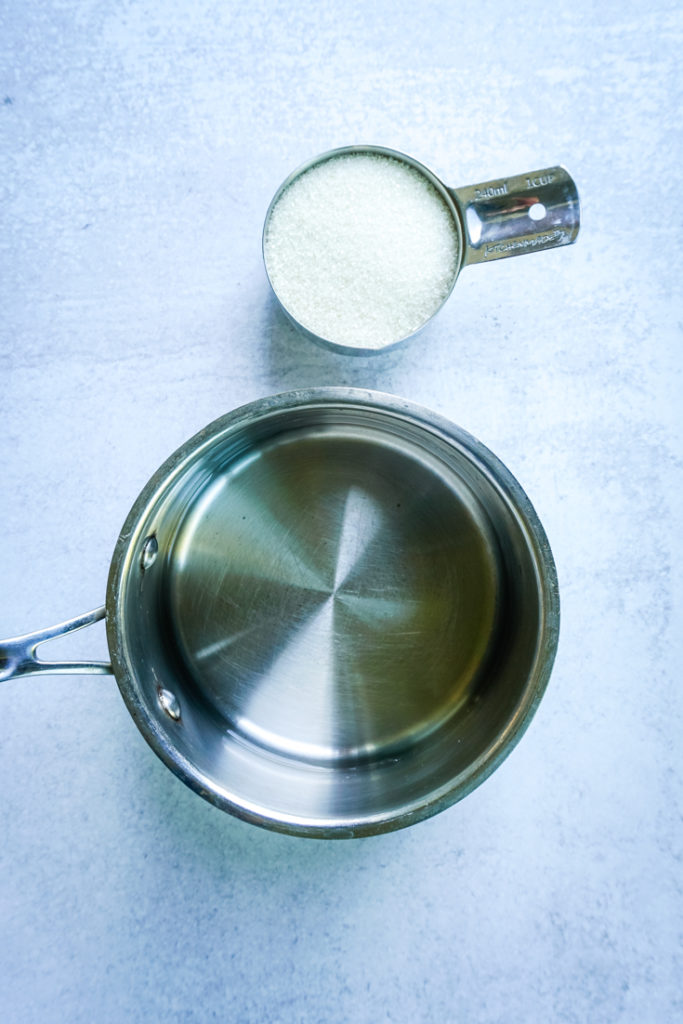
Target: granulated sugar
x,y
361,249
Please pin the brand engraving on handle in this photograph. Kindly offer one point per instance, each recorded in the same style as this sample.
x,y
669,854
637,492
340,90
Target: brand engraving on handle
x,y
558,237
491,191
542,179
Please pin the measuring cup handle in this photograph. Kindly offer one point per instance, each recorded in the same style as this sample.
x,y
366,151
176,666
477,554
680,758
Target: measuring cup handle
x,y
512,216
18,655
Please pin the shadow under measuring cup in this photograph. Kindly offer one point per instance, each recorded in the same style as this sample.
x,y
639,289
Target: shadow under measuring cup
x,y
363,245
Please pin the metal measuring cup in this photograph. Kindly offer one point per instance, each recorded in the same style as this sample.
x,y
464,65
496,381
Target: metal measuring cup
x,y
492,220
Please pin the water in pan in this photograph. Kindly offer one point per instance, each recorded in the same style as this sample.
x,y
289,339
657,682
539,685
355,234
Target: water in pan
x,y
334,596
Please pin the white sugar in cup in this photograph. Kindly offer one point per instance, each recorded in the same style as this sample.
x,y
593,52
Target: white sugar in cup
x,y
362,249
363,245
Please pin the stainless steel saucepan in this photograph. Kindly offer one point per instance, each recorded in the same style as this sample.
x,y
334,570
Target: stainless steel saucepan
x,y
331,613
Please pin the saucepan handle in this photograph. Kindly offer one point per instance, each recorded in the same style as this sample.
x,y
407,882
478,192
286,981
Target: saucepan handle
x,y
18,655
512,216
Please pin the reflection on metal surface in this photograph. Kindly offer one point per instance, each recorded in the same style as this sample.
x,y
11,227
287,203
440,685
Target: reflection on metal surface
x,y
19,657
345,556
352,601
352,617
527,213
169,703
150,550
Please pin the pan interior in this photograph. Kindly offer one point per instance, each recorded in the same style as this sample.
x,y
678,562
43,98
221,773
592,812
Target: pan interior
x,y
333,594
328,616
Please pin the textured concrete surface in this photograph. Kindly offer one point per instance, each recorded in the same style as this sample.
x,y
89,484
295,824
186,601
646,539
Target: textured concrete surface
x,y
140,145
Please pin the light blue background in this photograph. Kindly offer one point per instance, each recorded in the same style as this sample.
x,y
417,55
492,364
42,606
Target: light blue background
x,y
140,146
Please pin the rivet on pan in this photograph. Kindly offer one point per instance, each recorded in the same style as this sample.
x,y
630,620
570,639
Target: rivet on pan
x,y
150,550
168,702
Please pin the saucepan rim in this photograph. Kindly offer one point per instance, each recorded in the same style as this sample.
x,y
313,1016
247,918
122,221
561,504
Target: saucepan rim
x,y
439,428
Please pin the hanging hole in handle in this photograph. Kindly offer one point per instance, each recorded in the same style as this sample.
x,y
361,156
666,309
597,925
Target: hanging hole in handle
x,y
537,211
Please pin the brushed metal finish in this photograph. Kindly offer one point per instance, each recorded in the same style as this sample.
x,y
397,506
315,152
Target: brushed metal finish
x,y
316,593
19,654
516,215
331,613
352,603
493,220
